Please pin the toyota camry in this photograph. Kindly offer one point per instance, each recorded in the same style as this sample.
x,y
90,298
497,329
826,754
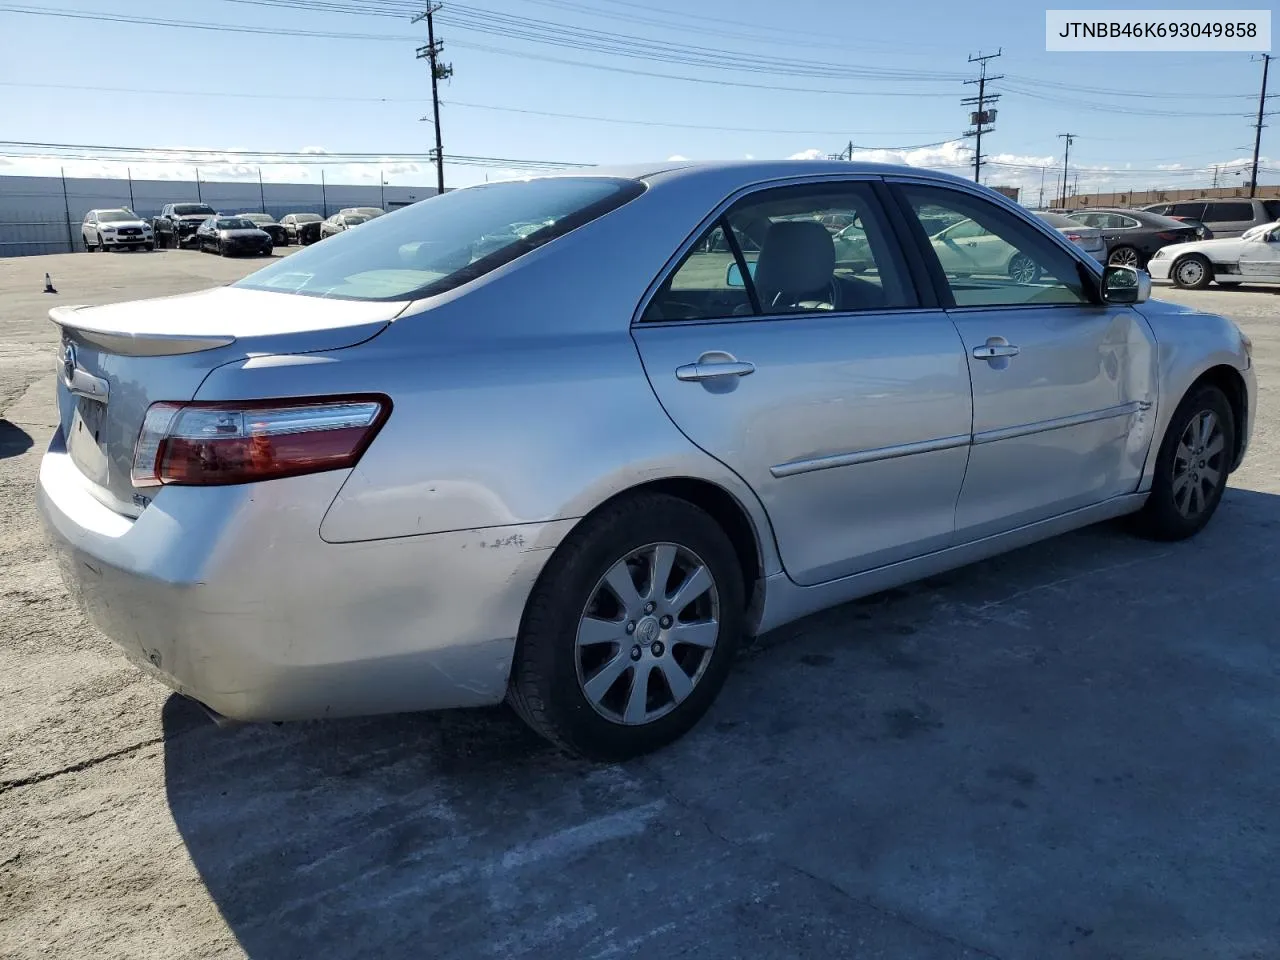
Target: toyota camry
x,y
409,468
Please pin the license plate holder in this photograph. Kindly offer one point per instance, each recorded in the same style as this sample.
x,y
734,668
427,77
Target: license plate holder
x,y
87,438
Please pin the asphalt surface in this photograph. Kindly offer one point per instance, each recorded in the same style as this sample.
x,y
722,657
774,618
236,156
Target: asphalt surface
x,y
1069,751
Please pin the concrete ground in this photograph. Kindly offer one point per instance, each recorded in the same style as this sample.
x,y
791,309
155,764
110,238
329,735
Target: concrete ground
x,y
1069,751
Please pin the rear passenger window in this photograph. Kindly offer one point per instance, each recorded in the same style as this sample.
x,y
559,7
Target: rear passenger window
x,y
1193,210
1229,212
789,250
1273,209
991,257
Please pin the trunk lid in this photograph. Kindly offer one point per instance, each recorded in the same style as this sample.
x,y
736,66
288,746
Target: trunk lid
x,y
116,360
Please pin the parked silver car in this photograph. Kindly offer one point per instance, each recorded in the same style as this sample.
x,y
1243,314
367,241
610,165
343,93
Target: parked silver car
x,y
1089,239
385,475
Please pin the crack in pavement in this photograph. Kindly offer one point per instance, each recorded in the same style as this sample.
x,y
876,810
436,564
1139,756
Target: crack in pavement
x,y
830,884
7,785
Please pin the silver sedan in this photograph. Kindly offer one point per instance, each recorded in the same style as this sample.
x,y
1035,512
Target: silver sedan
x,y
411,469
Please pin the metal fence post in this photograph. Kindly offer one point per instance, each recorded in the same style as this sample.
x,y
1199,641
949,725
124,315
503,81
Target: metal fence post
x,y
199,198
324,200
261,193
129,172
66,205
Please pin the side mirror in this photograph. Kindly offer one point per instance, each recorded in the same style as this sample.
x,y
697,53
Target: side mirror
x,y
1125,285
733,275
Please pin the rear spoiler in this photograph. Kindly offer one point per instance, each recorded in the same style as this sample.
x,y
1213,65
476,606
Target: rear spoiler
x,y
125,343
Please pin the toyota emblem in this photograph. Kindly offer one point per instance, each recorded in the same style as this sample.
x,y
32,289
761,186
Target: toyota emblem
x,y
69,362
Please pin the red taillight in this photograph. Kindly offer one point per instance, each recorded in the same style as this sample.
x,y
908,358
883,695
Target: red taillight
x,y
222,443
1073,237
1169,237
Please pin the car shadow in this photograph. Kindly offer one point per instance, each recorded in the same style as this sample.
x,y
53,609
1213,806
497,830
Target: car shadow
x,y
14,441
1065,748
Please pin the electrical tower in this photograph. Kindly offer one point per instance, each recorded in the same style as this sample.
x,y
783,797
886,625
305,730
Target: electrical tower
x,y
981,119
1257,137
1066,154
439,71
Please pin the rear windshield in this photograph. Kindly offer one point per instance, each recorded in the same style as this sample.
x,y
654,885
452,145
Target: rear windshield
x,y
306,218
445,241
191,209
1058,220
352,219
1273,208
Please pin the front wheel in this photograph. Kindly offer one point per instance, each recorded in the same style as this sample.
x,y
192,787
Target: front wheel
x,y
1125,257
1191,467
631,629
1192,272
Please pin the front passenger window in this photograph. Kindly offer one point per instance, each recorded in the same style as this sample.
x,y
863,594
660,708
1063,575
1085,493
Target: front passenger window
x,y
1001,260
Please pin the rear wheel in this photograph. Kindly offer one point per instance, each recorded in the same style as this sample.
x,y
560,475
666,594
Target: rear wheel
x,y
1191,467
630,632
1125,257
1022,269
1192,272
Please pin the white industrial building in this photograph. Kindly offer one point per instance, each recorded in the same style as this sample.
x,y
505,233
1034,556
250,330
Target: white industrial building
x,y
37,216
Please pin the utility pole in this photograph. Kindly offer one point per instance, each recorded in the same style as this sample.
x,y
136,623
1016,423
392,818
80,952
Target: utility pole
x,y
1042,172
850,151
1257,136
982,118
262,193
439,71
1215,175
1066,154
382,182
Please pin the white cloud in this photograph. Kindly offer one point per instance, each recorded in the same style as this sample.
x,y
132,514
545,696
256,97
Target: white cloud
x,y
813,153
676,158
750,156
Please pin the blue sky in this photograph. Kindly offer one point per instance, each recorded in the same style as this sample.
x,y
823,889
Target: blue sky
x,y
879,74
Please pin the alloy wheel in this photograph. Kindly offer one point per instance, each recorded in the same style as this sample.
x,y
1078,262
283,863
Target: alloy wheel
x,y
1124,257
647,633
1023,270
1199,464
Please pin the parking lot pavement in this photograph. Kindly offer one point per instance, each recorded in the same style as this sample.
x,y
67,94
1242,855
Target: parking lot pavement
x,y
1068,751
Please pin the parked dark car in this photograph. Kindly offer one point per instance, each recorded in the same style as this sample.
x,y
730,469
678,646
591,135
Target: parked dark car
x,y
233,236
177,224
1132,236
279,235
302,228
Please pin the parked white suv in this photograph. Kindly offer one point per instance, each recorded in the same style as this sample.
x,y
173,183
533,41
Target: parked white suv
x,y
105,229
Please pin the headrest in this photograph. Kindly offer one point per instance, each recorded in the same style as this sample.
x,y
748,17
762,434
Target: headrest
x,y
797,259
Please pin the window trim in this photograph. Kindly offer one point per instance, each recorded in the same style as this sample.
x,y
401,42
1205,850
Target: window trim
x,y
1090,272
718,215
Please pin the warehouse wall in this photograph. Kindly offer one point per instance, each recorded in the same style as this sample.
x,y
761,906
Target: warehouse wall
x,y
33,213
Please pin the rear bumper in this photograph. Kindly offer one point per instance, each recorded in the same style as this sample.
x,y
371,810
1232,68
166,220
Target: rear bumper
x,y
229,596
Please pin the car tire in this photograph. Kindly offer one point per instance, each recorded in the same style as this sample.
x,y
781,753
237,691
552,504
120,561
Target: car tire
x,y
222,249
582,695
1125,257
1192,272
148,247
1186,490
88,247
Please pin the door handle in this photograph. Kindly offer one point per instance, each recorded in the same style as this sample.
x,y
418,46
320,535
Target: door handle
x,y
692,372
992,351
